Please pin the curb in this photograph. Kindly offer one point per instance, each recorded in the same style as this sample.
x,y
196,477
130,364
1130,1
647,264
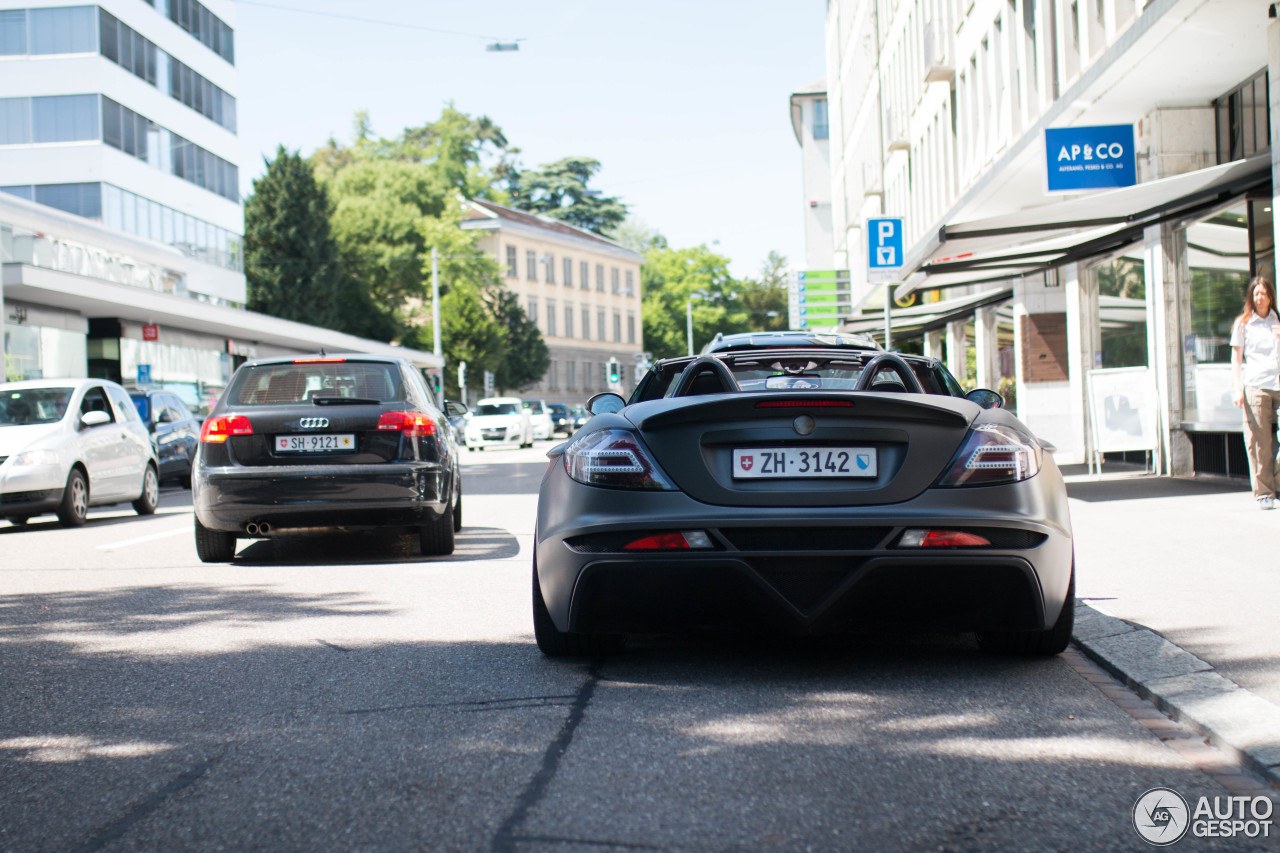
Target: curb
x,y
1184,687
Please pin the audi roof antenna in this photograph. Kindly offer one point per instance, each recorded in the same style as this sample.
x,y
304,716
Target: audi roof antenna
x,y
322,352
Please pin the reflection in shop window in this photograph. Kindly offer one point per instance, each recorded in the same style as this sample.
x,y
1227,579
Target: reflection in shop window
x,y
1218,257
1122,306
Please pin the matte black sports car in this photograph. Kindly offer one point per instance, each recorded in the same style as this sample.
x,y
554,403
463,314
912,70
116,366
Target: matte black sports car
x,y
808,490
326,443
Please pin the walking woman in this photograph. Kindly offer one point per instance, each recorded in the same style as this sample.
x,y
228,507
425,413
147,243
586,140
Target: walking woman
x,y
1255,370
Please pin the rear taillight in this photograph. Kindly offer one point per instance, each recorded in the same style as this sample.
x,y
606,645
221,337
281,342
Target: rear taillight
x,y
925,538
412,424
218,430
615,458
673,541
993,454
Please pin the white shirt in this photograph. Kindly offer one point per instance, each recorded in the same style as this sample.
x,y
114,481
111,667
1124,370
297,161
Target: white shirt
x,y
1261,367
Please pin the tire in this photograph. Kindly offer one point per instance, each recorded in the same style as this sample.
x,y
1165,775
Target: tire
x,y
457,511
1036,643
184,480
436,537
150,498
555,643
74,509
214,546
19,520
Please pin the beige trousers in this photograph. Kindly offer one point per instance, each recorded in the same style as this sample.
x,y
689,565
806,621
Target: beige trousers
x,y
1260,407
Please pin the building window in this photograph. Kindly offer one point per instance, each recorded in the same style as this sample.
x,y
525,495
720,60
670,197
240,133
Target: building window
x,y
568,272
533,310
204,26
586,376
67,29
821,130
512,262
617,327
631,283
584,275
600,277
553,375
551,318
600,327
613,280
531,265
571,375
631,327
1244,127
81,199
550,261
568,321
586,324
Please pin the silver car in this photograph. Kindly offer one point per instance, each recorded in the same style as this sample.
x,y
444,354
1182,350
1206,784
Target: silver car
x,y
69,444
807,490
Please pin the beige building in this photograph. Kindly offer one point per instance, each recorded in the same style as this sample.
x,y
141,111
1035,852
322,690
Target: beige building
x,y
582,290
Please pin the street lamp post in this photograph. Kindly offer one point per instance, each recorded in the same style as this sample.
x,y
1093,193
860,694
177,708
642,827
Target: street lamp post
x,y
688,323
435,319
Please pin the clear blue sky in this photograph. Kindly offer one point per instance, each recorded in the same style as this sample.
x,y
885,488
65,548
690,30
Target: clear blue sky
x,y
685,104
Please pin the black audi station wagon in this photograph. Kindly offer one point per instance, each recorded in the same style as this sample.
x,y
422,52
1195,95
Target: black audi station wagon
x,y
322,444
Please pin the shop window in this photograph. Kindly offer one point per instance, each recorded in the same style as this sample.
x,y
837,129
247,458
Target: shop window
x,y
1243,126
1122,291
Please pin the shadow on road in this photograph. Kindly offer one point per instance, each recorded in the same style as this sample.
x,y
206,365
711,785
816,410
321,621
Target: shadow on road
x,y
369,547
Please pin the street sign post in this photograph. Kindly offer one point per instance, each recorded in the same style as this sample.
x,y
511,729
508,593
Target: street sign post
x,y
884,262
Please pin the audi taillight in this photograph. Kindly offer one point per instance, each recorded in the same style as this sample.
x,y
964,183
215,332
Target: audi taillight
x,y
218,430
412,424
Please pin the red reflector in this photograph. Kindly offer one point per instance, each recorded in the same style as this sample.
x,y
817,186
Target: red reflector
x,y
946,539
318,360
658,542
412,424
801,404
218,430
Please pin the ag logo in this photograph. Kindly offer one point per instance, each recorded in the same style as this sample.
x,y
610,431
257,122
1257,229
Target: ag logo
x,y
1161,816
746,462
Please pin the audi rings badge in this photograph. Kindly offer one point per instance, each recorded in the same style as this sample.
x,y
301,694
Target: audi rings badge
x,y
313,423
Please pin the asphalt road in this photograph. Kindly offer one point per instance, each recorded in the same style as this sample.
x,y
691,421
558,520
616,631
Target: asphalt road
x,y
346,694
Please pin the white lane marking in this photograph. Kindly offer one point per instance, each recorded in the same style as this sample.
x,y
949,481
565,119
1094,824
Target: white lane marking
x,y
139,540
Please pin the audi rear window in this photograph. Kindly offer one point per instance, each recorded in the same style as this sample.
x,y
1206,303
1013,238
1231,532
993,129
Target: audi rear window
x,y
293,383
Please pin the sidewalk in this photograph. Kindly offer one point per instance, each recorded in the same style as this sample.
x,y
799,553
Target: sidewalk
x,y
1178,584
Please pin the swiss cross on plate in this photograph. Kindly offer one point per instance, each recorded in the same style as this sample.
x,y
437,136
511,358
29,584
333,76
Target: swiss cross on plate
x,y
746,462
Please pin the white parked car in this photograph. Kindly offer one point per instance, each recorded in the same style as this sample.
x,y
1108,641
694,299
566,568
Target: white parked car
x,y
69,444
544,426
499,421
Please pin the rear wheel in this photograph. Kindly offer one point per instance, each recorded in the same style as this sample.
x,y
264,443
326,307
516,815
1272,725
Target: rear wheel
x,y
457,511
19,520
555,643
436,536
214,546
150,498
74,509
1036,643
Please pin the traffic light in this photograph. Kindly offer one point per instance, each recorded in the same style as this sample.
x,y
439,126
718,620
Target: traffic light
x,y
615,375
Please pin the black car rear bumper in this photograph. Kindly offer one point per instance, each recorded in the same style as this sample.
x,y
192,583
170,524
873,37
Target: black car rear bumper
x,y
345,496
803,569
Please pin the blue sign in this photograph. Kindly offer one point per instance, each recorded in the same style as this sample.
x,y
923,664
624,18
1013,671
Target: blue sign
x,y
884,245
144,374
1090,158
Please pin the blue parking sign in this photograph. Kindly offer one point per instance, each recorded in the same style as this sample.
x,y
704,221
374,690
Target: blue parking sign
x,y
884,247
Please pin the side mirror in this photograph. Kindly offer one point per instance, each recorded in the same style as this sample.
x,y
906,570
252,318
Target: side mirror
x,y
454,409
606,402
93,419
986,398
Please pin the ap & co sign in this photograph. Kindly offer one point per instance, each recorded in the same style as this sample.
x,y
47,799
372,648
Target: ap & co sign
x,y
1090,158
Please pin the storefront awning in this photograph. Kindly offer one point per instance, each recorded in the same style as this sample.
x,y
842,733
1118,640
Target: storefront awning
x,y
925,318
1034,240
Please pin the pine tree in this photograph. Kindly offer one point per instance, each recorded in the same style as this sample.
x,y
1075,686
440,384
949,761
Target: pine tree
x,y
291,260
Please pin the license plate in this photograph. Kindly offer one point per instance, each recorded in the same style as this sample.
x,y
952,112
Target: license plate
x,y
314,443
796,462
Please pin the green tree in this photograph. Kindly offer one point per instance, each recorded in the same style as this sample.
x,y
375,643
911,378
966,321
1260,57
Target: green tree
x,y
291,259
765,298
560,189
526,358
674,278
